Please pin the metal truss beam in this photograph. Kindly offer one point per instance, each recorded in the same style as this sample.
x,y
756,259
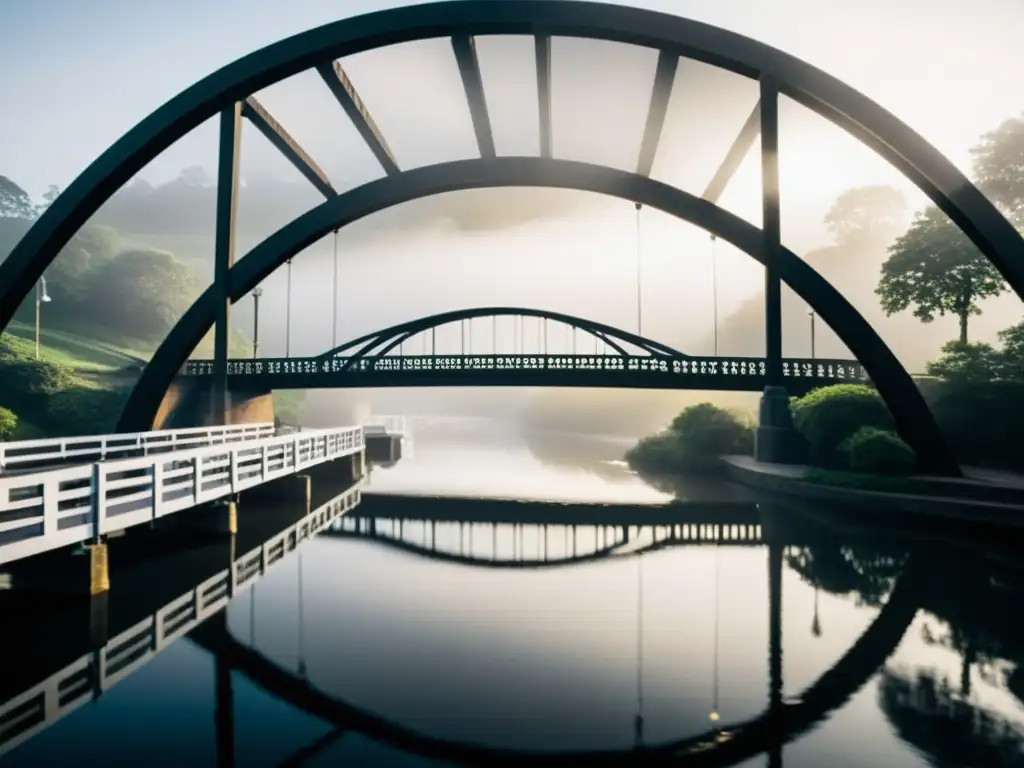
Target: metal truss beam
x,y
661,92
257,114
344,91
469,67
542,51
734,157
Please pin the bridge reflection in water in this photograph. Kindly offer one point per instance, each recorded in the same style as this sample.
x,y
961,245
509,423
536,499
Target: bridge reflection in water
x,y
464,540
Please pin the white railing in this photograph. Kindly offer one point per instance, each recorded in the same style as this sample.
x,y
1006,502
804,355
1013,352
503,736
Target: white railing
x,y
46,510
90,448
85,679
386,425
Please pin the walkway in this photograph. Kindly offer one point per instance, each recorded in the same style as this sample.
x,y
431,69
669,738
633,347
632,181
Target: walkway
x,y
49,509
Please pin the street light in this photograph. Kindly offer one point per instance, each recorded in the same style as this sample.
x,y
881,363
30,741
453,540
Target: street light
x,y
256,293
41,296
810,314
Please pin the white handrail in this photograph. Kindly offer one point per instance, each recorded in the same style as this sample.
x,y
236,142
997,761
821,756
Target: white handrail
x,y
68,689
40,511
90,448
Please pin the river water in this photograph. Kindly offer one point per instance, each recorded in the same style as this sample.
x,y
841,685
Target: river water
x,y
456,615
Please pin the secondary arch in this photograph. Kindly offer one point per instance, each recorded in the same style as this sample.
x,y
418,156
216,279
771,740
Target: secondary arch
x,y
390,337
914,421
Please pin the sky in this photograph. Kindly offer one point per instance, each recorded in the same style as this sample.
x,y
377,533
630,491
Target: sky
x,y
86,72
949,68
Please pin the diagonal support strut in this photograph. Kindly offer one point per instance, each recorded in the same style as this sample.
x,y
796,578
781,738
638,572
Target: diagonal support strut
x,y
469,67
542,48
737,152
664,78
345,92
287,146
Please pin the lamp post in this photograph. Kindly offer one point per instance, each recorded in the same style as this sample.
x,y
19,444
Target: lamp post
x,y
256,293
810,314
41,296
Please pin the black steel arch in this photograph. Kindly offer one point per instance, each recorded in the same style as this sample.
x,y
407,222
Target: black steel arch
x,y
914,420
395,334
461,20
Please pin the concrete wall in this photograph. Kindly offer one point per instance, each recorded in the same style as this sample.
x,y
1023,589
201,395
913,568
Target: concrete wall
x,y
189,403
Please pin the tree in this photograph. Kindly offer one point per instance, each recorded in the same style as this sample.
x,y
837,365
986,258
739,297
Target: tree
x,y
8,423
966,363
998,163
1011,361
14,201
140,293
863,212
935,268
52,193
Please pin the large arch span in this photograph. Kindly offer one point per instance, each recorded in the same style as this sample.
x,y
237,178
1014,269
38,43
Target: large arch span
x,y
462,20
914,420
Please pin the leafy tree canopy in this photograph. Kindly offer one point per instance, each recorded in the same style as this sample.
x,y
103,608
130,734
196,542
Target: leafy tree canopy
x,y
966,363
998,161
863,212
14,201
935,269
145,290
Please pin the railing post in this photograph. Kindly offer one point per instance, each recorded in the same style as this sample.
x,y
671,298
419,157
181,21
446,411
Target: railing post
x,y
295,452
156,473
264,464
233,474
197,478
51,492
99,500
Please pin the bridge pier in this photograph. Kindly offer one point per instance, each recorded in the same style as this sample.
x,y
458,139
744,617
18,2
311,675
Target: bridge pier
x,y
83,571
776,439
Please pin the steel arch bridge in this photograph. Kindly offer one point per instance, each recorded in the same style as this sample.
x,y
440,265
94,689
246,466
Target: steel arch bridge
x,y
228,93
407,355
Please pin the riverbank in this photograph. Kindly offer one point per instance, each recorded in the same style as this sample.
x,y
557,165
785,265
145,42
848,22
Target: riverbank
x,y
981,496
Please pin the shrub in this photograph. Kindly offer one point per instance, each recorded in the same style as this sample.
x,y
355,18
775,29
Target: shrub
x,y
696,439
982,421
8,422
656,455
877,451
707,430
827,416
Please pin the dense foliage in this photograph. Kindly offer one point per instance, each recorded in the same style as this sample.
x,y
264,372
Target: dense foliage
x,y
829,415
97,283
8,423
51,398
695,440
877,451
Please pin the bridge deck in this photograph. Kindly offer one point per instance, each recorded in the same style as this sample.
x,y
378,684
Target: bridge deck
x,y
46,510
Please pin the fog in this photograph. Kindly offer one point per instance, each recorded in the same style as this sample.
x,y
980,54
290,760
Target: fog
x,y
563,251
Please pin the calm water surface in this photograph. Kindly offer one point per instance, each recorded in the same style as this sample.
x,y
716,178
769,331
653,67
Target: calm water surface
x,y
437,631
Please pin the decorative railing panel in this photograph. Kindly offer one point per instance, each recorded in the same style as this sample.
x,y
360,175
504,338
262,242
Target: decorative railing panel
x,y
41,511
684,372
